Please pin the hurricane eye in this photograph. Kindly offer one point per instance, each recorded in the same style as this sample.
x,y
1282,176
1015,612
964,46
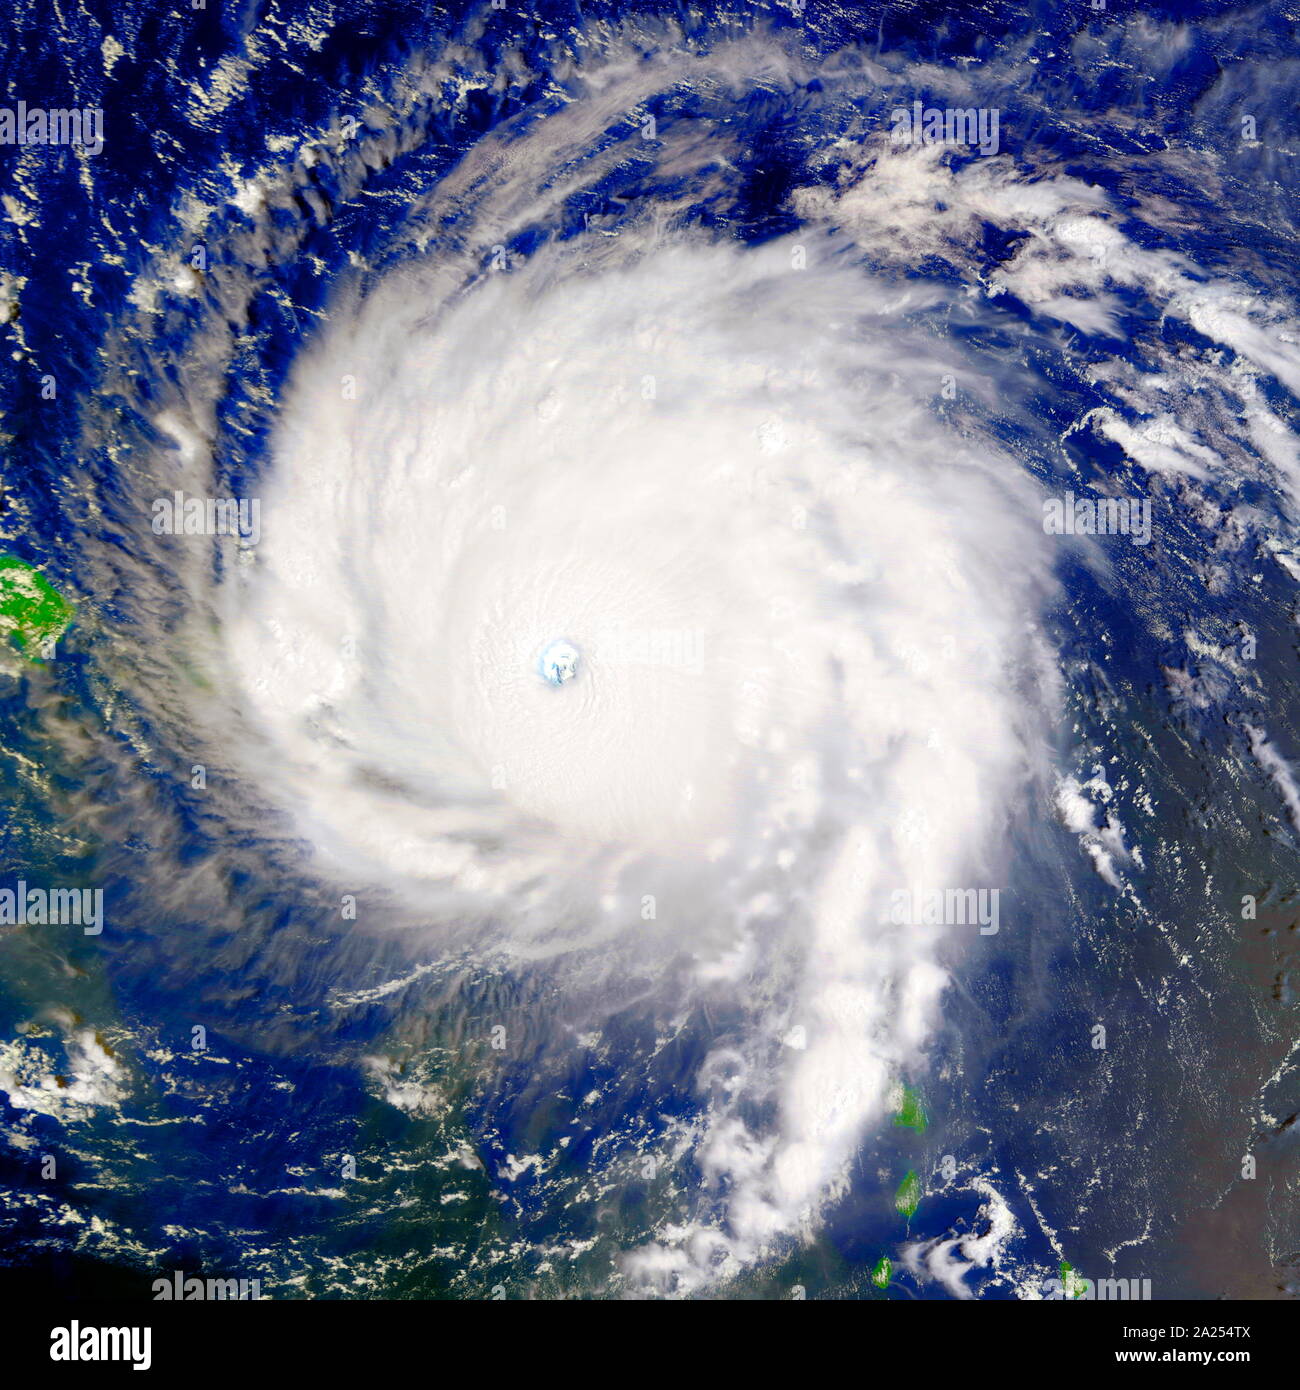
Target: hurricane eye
x,y
558,663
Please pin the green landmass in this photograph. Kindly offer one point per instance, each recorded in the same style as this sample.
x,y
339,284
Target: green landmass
x,y
32,611
1072,1281
911,1113
908,1196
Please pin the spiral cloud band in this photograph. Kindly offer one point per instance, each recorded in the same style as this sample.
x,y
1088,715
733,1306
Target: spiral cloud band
x,y
806,611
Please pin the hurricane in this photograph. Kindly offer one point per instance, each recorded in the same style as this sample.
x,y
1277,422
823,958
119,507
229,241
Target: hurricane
x,y
668,636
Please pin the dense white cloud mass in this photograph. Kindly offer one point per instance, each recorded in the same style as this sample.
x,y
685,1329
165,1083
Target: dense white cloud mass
x,y
806,607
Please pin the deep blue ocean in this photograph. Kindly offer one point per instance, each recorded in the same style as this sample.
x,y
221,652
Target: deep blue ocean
x,y
414,1099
